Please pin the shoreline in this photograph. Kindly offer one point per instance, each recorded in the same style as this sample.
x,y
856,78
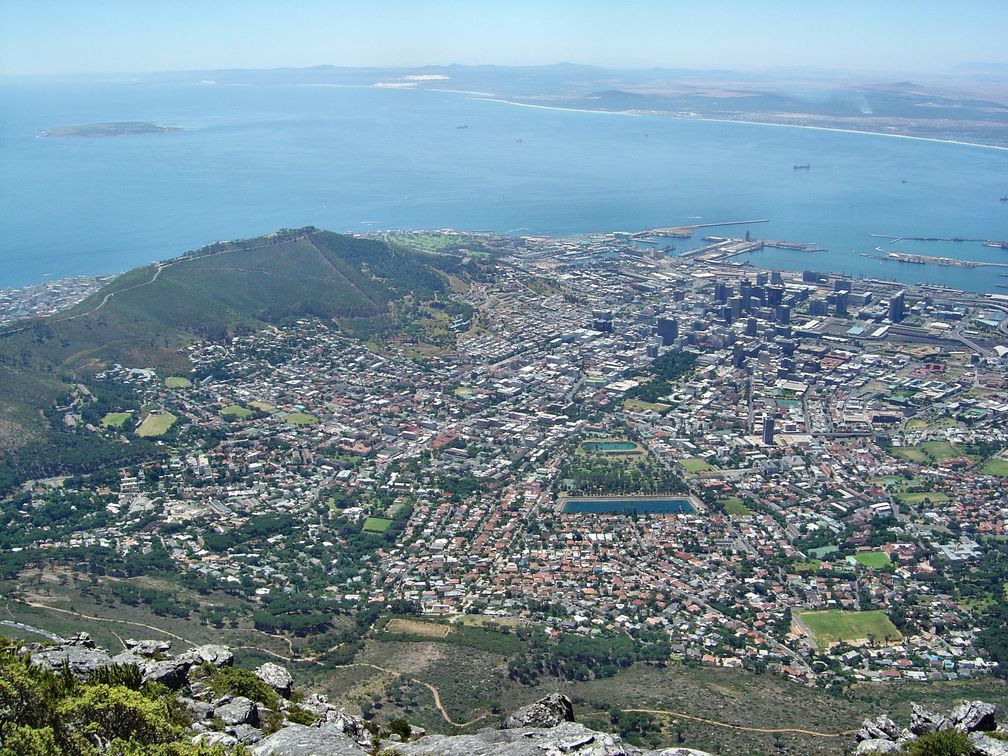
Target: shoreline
x,y
670,114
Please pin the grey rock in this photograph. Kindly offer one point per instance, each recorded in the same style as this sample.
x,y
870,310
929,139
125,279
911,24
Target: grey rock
x,y
923,721
348,724
247,734
970,716
170,672
82,658
880,728
128,657
566,738
550,711
81,639
877,745
239,710
198,710
218,656
985,745
299,740
216,738
276,677
147,647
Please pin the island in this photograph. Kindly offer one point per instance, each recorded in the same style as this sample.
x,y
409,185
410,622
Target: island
x,y
101,130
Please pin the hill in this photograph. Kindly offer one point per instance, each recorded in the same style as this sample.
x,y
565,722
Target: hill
x,y
147,317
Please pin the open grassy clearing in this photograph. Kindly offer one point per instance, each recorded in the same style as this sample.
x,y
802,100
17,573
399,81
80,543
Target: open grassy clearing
x,y
811,565
115,419
874,559
177,381
734,506
916,498
997,466
376,525
300,418
262,406
693,465
416,627
640,404
833,626
156,424
237,411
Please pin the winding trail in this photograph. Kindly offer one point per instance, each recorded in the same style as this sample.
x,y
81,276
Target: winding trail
x,y
743,728
291,659
108,619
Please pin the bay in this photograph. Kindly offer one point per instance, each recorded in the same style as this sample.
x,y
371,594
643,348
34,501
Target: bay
x,y
251,159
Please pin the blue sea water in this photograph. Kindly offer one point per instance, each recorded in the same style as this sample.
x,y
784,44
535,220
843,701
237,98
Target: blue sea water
x,y
252,159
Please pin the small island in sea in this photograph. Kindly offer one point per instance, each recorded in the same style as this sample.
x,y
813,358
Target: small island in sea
x,y
98,130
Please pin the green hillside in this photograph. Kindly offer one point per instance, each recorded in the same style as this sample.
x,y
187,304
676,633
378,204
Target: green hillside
x,y
146,317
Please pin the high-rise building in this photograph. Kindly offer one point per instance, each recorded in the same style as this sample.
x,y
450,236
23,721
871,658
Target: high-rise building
x,y
738,355
816,307
750,327
768,429
668,329
720,291
761,278
774,295
783,314
735,303
897,305
775,277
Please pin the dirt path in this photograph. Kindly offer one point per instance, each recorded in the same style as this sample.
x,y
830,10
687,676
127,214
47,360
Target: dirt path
x,y
109,619
743,728
434,692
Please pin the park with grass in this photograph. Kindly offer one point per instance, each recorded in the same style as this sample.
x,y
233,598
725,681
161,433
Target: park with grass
x,y
837,626
928,452
236,411
156,424
692,465
115,419
874,559
997,466
177,381
734,506
300,418
376,524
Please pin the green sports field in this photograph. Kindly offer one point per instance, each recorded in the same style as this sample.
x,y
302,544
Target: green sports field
x,y
834,626
237,411
300,418
376,525
115,419
874,559
156,425
177,381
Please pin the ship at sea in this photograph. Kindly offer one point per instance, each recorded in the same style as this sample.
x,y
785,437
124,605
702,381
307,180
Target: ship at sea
x,y
803,167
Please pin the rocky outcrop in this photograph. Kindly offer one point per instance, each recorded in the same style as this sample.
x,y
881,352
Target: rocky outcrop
x,y
211,653
300,740
78,652
546,712
276,677
974,718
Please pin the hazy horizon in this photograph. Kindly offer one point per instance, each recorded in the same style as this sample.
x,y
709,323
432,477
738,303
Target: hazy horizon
x,y
117,38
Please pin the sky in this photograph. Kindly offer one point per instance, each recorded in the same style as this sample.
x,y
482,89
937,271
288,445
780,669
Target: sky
x,y
136,36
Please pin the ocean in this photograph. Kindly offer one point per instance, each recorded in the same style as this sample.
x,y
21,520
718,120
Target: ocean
x,y
252,159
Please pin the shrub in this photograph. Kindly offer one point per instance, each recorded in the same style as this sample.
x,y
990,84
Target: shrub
x,y
944,743
241,682
400,727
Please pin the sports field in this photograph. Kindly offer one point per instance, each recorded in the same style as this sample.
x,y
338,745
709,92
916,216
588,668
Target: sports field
x,y
156,425
997,466
376,524
833,626
177,381
300,418
115,419
237,411
693,465
874,559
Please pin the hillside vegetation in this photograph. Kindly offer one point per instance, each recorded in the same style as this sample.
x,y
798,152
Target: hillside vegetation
x,y
145,318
